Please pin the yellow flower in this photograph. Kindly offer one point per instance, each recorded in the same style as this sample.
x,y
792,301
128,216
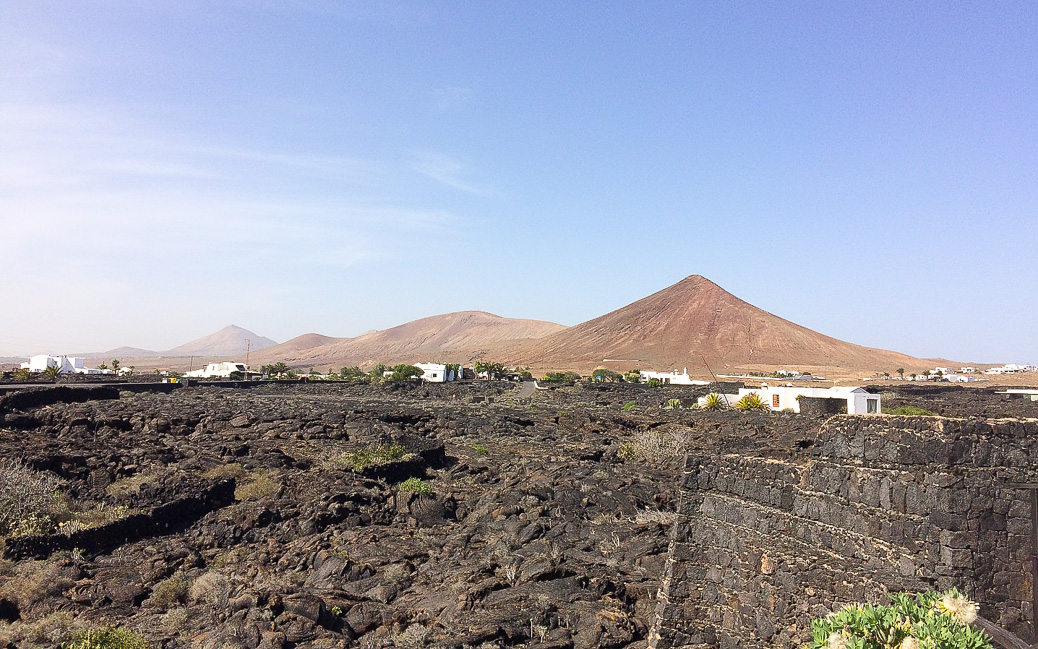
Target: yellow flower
x,y
961,609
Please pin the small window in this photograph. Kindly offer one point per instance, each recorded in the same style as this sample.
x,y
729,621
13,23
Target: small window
x,y
774,401
872,406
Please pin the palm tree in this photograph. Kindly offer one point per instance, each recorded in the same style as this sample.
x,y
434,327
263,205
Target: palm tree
x,y
52,372
901,372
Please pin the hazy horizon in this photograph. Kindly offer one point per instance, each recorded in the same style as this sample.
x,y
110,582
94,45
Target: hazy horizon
x,y
167,169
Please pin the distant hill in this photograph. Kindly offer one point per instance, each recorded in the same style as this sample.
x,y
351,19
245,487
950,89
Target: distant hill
x,y
696,323
453,337
124,352
229,341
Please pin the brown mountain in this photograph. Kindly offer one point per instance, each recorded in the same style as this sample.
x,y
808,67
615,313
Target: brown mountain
x,y
452,337
231,340
696,323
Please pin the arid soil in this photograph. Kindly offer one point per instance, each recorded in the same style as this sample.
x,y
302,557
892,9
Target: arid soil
x,y
545,523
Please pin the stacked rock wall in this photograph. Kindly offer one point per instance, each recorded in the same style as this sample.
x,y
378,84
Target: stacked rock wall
x,y
878,504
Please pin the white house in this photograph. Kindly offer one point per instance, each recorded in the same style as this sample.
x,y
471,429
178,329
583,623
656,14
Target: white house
x,y
221,371
66,365
670,378
1012,368
1029,394
859,402
436,372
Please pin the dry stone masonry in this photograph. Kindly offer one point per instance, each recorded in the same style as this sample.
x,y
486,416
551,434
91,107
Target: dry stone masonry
x,y
875,505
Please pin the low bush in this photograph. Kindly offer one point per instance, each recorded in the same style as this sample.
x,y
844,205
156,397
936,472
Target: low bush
x,y
35,581
654,446
106,638
49,631
629,406
27,498
415,485
928,620
481,449
375,456
211,588
561,378
170,591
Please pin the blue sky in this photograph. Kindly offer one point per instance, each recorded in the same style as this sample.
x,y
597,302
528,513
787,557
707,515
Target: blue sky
x,y
868,170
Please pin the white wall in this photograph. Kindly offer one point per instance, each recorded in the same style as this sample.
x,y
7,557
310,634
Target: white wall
x,y
857,399
433,372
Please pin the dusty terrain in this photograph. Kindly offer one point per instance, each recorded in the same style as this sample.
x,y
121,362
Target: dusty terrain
x,y
544,524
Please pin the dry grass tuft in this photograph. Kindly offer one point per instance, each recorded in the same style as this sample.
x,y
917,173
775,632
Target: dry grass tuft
x,y
224,471
211,588
35,581
257,486
51,631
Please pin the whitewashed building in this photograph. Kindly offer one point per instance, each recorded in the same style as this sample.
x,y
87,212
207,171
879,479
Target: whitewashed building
x,y
66,365
436,372
1021,393
221,371
859,402
670,378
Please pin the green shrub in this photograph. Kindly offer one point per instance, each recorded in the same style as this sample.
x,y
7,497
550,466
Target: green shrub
x,y
415,485
910,410
375,456
170,591
751,401
403,371
629,406
925,621
627,451
106,638
654,383
561,378
673,404
481,449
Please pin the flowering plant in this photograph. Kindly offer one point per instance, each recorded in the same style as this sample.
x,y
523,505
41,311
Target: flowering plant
x,y
925,621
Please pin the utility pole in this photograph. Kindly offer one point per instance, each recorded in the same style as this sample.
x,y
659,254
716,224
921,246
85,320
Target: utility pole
x,y
248,348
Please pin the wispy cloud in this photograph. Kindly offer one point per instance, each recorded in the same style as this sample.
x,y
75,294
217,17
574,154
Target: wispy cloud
x,y
444,169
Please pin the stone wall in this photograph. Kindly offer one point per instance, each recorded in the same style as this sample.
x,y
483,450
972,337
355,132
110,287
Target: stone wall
x,y
164,519
877,504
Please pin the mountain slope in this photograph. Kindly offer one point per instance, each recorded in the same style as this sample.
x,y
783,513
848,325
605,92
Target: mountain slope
x,y
231,340
696,323
454,337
